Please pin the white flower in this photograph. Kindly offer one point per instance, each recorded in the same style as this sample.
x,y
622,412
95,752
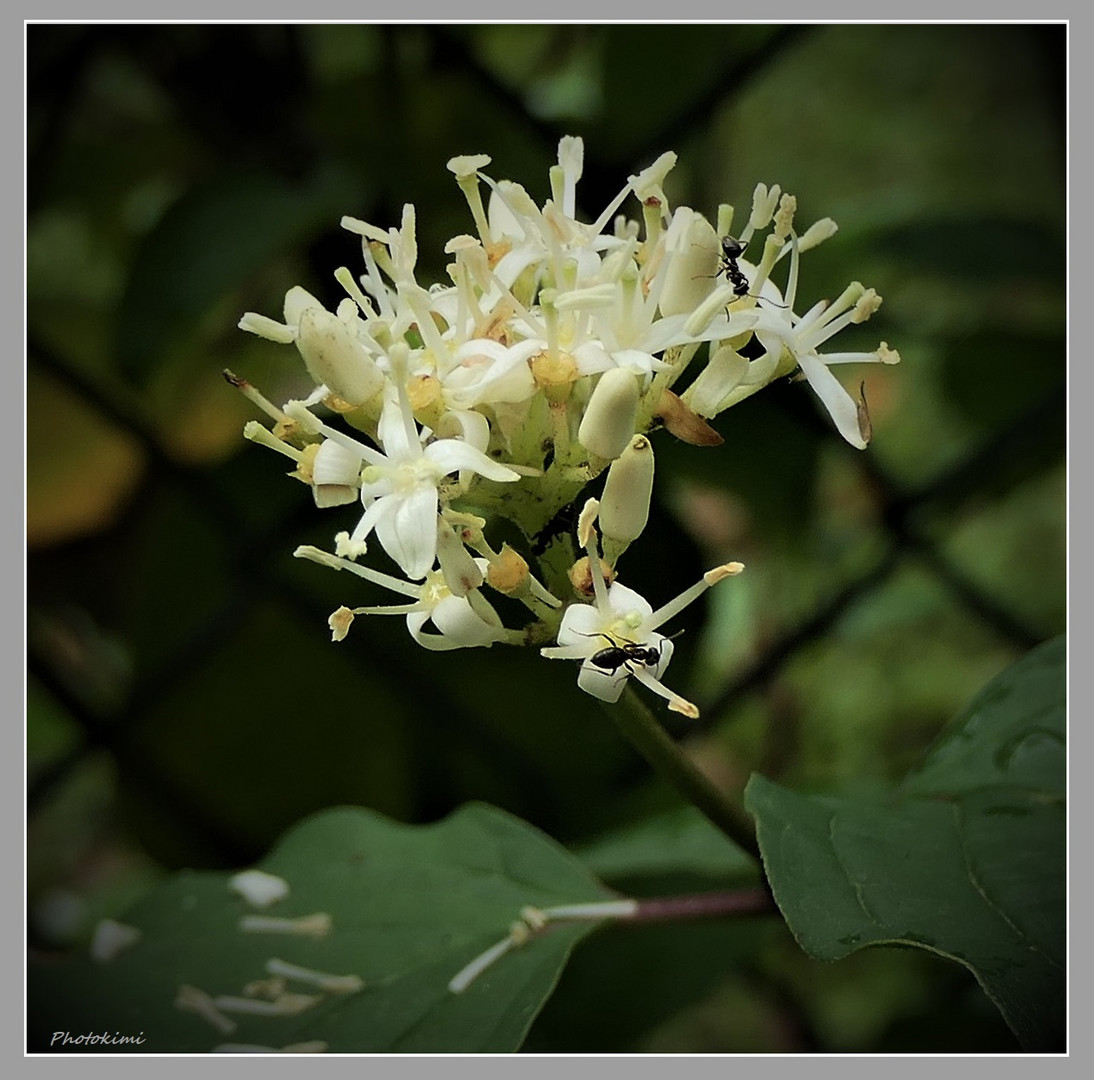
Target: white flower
x,y
614,640
521,235
616,637
790,340
399,486
462,621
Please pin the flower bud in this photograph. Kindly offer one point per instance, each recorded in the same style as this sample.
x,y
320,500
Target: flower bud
x,y
608,423
297,301
625,504
335,358
691,275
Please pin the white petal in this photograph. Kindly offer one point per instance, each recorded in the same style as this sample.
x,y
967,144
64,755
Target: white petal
x,y
398,436
840,405
451,455
591,358
373,513
457,620
637,361
474,427
581,626
407,527
434,642
624,601
336,464
602,684
327,495
566,652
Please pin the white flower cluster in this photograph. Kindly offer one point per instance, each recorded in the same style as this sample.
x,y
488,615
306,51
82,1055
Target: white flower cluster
x,y
543,362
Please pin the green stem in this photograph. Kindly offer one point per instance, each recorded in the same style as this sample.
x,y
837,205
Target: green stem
x,y
640,727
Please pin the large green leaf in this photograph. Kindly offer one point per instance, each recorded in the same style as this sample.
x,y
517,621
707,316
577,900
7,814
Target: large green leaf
x,y
680,840
965,858
410,906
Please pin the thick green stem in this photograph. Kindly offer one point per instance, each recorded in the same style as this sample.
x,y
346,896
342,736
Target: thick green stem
x,y
638,724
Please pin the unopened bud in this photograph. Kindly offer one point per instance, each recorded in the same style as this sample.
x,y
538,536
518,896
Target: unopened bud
x,y
625,504
608,423
694,268
297,301
335,358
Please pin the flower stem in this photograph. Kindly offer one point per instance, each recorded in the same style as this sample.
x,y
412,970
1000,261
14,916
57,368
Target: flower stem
x,y
641,728
753,901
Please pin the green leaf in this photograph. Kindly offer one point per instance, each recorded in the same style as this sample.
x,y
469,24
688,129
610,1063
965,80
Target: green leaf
x,y
966,857
676,841
410,907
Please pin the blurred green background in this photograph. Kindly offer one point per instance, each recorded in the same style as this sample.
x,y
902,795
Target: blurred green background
x,y
185,704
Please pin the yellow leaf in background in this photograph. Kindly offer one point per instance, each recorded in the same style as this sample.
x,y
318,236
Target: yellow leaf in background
x,y
81,469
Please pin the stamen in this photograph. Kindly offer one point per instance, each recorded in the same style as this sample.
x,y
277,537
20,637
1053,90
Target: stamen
x,y
251,394
363,228
467,170
467,975
571,161
817,233
586,537
254,431
336,562
532,921
674,607
267,328
676,703
348,282
333,984
285,1005
316,925
608,909
191,999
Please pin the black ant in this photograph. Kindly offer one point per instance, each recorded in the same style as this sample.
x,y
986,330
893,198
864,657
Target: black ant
x,y
630,652
732,250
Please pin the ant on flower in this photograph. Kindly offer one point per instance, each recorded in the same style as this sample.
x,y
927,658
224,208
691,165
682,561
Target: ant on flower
x,y
614,656
732,250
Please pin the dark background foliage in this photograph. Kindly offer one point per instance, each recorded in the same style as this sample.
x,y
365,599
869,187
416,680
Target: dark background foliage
x,y
185,704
